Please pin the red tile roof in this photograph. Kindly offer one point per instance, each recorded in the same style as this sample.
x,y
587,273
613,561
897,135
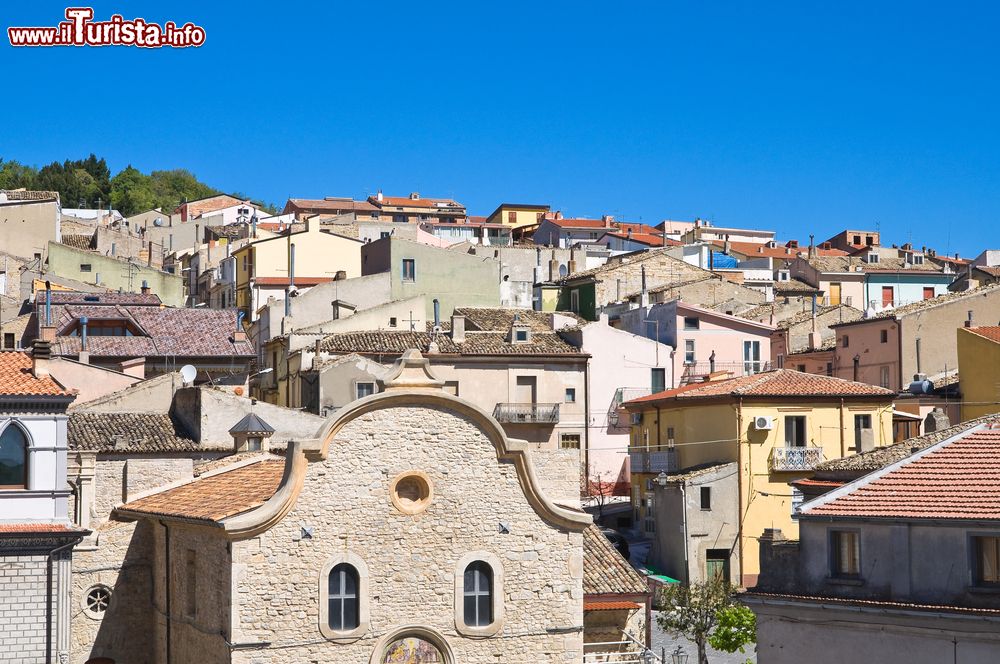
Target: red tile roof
x,y
406,201
778,251
17,379
991,332
580,223
8,528
958,478
214,497
610,606
647,239
777,383
330,204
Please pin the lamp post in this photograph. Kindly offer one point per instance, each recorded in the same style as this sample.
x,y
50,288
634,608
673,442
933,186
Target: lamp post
x,y
648,657
662,478
679,656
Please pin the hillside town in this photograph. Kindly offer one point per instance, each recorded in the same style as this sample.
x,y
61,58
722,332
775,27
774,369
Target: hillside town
x,y
391,429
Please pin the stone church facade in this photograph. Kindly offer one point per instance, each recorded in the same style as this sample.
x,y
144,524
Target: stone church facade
x,y
409,530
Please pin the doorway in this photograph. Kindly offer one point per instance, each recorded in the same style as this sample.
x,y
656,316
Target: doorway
x,y
834,293
716,564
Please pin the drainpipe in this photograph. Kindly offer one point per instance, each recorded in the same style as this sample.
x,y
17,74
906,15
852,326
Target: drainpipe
x,y
291,266
586,419
48,595
739,481
843,443
48,303
166,564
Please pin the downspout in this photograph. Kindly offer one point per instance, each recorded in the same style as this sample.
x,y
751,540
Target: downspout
x,y
48,595
166,566
899,350
586,419
843,445
687,541
739,481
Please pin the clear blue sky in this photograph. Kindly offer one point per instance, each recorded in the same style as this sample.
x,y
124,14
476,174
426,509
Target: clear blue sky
x,y
801,117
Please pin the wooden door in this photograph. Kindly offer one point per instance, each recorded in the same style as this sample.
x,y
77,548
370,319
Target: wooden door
x,y
834,294
886,296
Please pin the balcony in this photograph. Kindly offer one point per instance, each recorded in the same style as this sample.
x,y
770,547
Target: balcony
x,y
653,462
526,413
696,372
795,458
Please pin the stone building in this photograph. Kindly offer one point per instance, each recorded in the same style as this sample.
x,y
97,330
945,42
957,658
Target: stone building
x,y
410,529
36,535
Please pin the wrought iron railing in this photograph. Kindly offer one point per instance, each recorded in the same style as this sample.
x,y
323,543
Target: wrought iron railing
x,y
796,458
652,462
526,413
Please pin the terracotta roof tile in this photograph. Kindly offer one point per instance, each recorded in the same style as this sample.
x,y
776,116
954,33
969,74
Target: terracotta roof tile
x,y
794,286
777,383
946,298
378,342
406,201
214,497
956,479
131,433
611,606
17,379
991,332
34,528
331,205
500,319
604,569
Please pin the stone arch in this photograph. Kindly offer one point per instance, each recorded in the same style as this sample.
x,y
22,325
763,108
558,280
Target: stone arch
x,y
422,632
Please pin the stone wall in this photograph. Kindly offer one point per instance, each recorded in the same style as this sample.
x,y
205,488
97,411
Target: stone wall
x,y
412,560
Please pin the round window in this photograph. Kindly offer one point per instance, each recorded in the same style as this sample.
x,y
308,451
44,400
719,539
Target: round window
x,y
96,601
411,492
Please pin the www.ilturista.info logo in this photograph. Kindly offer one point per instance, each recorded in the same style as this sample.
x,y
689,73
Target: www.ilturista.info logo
x,y
79,29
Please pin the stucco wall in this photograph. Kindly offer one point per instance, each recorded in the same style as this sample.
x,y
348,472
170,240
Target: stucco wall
x,y
27,227
978,359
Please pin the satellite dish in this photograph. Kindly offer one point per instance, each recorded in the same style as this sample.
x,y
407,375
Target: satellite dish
x,y
188,373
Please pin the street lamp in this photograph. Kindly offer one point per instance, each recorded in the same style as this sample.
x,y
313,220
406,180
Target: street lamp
x,y
679,656
648,657
662,478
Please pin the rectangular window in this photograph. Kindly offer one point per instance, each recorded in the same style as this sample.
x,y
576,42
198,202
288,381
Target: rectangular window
x,y
384,234
845,553
706,497
392,321
409,269
569,441
986,560
751,357
795,430
658,379
857,239
8,339
691,323
829,368
884,377
862,430
364,390
884,336
670,437
781,361
570,395
689,356
85,267
191,585
888,296
574,301
928,292
520,335
649,524
801,368
846,341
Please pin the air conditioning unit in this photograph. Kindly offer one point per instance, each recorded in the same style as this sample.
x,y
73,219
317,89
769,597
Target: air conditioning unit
x,y
763,423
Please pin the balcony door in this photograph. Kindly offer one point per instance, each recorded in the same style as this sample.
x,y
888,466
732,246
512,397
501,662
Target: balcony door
x,y
751,357
834,293
526,390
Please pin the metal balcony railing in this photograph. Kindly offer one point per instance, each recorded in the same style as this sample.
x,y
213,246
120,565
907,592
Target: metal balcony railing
x,y
653,462
697,371
526,413
795,458
623,394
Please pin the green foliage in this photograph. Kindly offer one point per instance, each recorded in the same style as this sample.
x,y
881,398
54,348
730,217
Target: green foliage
x,y
736,627
707,613
84,182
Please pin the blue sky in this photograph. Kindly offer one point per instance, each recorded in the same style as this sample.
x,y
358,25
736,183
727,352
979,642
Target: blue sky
x,y
799,117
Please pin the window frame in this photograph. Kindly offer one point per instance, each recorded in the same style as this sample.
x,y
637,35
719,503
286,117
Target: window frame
x,y
692,323
355,561
496,599
833,553
570,395
564,436
705,497
690,355
16,424
347,573
412,278
357,388
788,430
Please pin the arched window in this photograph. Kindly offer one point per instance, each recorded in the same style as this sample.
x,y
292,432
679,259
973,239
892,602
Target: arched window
x,y
343,612
13,458
478,594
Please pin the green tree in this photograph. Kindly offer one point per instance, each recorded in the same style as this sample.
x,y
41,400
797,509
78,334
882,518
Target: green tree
x,y
700,611
14,175
82,181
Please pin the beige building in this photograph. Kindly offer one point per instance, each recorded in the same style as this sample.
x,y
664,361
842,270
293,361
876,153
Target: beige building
x,y
29,220
409,528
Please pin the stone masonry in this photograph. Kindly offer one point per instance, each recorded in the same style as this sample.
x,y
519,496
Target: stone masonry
x,y
23,608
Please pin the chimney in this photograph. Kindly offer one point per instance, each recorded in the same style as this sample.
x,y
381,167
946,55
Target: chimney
x,y
145,287
437,314
340,275
415,196
553,267
291,266
457,328
559,214
83,333
727,246
41,355
378,196
968,322
812,247
608,220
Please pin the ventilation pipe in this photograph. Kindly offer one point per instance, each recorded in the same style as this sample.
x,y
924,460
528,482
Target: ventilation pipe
x,y
48,302
83,332
145,287
291,266
239,320
437,315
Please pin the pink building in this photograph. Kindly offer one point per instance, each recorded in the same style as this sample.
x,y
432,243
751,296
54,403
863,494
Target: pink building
x,y
704,341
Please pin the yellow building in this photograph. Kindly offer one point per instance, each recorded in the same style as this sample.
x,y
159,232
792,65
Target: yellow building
x,y
775,425
517,216
264,267
979,370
